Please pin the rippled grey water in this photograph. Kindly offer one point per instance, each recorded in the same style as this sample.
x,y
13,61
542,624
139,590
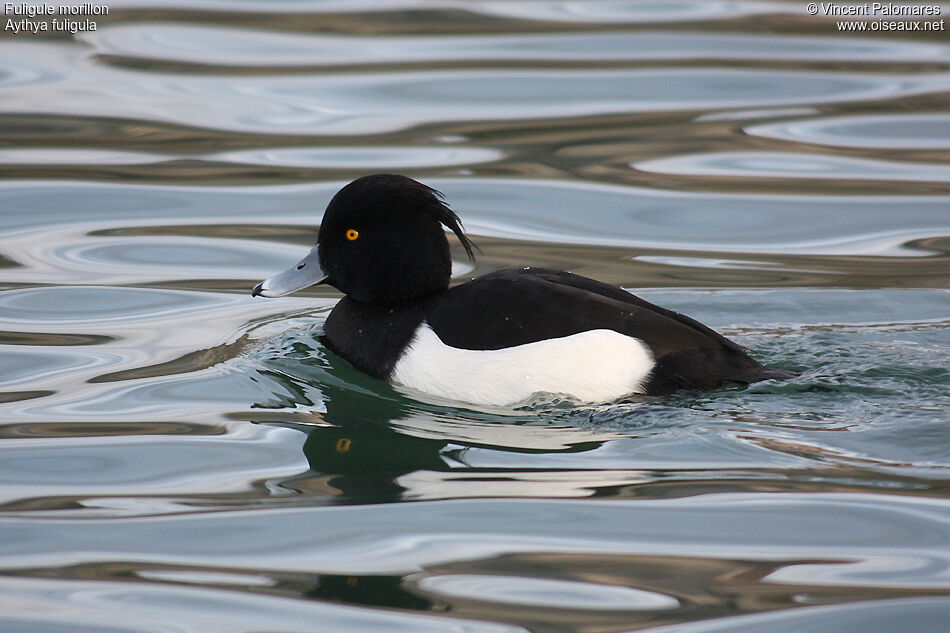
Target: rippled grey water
x,y
177,456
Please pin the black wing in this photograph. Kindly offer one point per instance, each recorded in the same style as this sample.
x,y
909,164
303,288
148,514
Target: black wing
x,y
514,307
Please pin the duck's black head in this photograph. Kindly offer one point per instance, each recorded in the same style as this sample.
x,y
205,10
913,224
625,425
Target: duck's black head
x,y
382,241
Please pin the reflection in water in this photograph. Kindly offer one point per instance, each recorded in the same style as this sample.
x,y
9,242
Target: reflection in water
x,y
370,439
370,446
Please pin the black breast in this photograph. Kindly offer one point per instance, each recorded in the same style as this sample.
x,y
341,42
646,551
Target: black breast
x,y
371,337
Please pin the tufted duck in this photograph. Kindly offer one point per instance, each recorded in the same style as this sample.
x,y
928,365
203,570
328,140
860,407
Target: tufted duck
x,y
502,337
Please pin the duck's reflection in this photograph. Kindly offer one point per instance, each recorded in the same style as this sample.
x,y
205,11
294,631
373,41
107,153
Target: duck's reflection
x,y
367,461
375,591
373,445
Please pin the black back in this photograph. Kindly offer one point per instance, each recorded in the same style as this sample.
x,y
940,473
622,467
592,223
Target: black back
x,y
513,307
518,306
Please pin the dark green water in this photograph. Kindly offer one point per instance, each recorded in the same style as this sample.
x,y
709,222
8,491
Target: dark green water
x,y
177,456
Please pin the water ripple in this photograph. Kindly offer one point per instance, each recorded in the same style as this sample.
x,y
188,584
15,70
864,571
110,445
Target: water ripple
x,y
131,607
317,157
795,165
73,156
886,616
883,131
555,594
78,305
501,207
346,540
361,157
337,105
221,47
94,469
590,11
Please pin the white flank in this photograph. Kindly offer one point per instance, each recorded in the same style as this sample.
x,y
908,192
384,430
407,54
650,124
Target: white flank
x,y
593,366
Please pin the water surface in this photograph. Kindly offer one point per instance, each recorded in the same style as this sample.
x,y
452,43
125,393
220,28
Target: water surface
x,y
176,455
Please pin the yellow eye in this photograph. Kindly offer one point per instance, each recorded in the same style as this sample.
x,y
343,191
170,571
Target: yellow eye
x,y
352,234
